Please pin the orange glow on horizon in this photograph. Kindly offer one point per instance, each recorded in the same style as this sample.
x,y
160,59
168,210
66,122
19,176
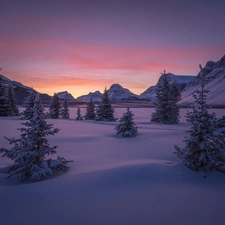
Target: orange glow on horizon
x,y
81,68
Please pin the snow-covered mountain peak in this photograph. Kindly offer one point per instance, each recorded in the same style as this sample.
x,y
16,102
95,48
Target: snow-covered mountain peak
x,y
95,93
65,95
96,97
116,87
117,92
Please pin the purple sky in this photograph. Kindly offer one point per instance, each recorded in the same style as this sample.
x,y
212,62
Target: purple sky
x,y
87,45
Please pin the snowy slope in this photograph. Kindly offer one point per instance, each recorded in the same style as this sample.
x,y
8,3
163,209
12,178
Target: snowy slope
x,y
15,84
149,94
117,92
180,80
22,91
65,95
215,71
96,97
113,180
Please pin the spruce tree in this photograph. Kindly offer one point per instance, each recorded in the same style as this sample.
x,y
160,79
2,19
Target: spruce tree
x,y
12,101
30,150
79,117
29,102
55,107
5,108
167,96
175,97
205,143
126,126
65,110
105,112
175,91
90,111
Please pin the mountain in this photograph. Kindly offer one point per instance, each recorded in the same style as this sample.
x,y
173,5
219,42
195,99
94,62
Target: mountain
x,y
96,97
117,92
21,91
65,95
181,82
215,73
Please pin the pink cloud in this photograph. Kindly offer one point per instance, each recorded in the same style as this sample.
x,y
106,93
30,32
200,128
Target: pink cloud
x,y
53,63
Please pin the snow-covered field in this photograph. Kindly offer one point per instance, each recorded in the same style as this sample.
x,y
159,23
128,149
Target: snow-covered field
x,y
113,180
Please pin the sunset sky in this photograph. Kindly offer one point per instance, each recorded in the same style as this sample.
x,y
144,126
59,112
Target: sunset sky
x,y
87,45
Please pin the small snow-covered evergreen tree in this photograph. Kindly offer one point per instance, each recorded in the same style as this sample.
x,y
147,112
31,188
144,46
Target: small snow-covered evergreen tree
x,y
205,144
29,102
55,107
12,101
5,108
104,111
29,151
167,96
65,110
90,111
126,126
79,117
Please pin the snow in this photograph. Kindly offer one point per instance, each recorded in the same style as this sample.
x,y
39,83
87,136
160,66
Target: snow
x,y
215,96
181,78
150,93
96,97
65,95
215,84
113,180
117,92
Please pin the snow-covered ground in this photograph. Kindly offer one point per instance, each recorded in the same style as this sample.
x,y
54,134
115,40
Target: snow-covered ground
x,y
113,180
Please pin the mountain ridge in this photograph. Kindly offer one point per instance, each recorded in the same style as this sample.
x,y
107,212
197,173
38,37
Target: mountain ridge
x,y
21,91
215,71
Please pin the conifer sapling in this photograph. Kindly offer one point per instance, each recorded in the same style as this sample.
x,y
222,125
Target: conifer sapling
x,y
29,105
105,112
65,110
30,150
79,117
55,107
167,96
90,111
126,126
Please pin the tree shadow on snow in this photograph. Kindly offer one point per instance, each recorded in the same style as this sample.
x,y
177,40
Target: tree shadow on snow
x,y
14,180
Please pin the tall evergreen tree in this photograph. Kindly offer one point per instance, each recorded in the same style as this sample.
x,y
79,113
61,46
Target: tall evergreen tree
x,y
30,150
55,107
105,112
79,117
65,110
205,144
126,126
12,101
167,96
5,108
90,111
175,97
175,91
29,102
